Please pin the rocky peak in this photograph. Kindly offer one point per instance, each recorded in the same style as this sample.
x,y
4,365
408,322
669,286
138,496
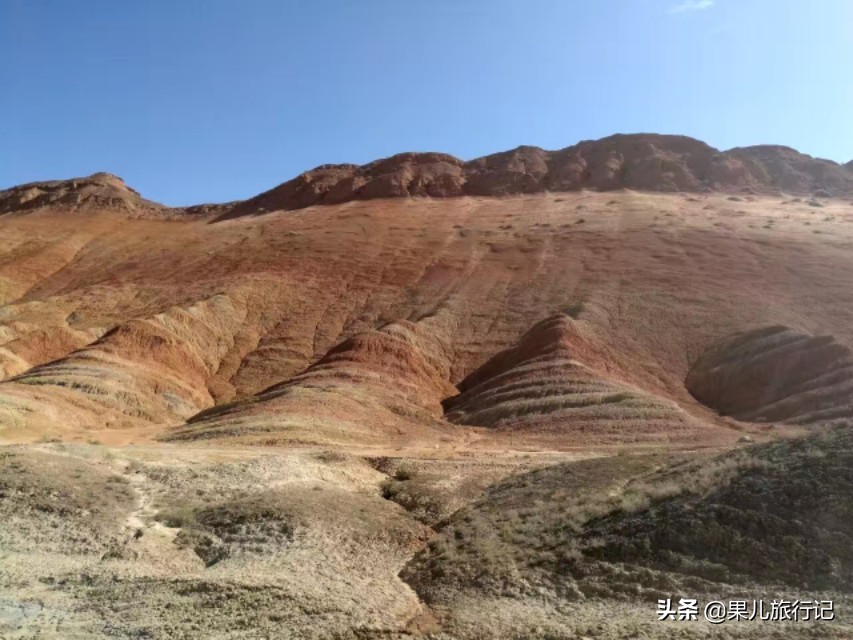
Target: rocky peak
x,y
97,191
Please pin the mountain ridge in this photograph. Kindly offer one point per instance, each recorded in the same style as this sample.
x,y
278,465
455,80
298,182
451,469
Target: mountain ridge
x,y
642,161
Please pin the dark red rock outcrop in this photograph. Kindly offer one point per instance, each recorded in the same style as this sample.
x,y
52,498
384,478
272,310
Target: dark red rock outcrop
x,y
648,162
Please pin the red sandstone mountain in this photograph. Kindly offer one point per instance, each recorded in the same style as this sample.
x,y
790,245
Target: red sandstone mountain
x,y
382,317
501,410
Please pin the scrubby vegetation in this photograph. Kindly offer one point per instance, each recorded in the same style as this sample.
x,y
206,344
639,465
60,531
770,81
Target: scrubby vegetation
x,y
59,502
783,513
256,525
629,526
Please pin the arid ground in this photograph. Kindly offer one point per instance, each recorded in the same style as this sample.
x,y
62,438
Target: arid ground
x,y
433,412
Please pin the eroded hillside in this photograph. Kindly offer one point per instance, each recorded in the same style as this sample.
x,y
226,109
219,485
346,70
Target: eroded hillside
x,y
515,397
128,328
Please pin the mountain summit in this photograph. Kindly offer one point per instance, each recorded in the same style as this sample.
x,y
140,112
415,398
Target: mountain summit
x,y
97,191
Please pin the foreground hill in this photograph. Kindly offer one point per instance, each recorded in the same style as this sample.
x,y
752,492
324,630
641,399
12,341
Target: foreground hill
x,y
306,543
549,545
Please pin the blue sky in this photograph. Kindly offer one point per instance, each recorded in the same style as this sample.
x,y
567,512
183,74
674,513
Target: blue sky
x,y
212,100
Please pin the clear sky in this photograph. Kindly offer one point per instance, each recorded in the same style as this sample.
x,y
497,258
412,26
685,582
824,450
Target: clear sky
x,y
212,100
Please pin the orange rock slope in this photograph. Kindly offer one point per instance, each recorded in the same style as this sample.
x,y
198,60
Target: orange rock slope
x,y
506,315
